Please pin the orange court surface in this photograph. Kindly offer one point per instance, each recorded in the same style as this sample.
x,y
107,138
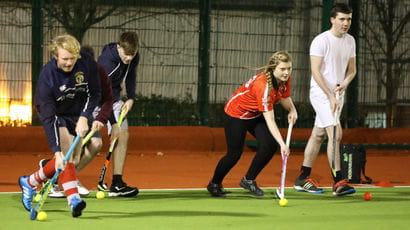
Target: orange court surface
x,y
179,157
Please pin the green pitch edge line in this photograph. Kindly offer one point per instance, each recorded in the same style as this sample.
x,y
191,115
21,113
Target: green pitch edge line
x,y
302,144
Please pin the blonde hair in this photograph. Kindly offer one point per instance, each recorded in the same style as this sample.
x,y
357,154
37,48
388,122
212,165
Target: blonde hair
x,y
66,42
274,60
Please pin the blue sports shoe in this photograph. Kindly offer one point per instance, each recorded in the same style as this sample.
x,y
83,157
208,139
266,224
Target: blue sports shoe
x,y
341,188
77,205
27,192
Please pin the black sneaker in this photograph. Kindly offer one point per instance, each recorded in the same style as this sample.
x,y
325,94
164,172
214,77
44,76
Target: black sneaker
x,y
251,186
341,188
216,190
307,185
43,162
122,190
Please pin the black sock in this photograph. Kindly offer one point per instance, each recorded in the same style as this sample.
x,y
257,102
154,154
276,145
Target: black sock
x,y
304,172
117,179
338,176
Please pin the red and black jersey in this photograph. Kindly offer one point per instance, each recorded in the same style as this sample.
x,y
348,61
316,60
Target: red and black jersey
x,y
106,101
254,97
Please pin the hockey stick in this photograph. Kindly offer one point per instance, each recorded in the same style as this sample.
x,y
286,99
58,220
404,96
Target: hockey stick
x,y
280,193
37,197
34,211
101,186
335,121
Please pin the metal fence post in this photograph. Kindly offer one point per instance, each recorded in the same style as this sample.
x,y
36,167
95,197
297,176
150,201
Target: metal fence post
x,y
327,6
203,60
352,90
36,51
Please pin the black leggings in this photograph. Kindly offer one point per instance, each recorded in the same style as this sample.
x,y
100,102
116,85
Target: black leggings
x,y
235,133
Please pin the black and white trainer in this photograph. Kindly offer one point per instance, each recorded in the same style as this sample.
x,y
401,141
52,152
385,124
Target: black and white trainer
x,y
307,185
216,190
252,187
43,162
122,190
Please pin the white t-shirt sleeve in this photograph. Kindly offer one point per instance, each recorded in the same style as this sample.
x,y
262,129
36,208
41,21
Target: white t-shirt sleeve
x,y
353,49
317,47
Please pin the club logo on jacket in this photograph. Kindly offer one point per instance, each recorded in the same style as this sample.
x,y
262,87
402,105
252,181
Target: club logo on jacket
x,y
79,77
66,93
63,88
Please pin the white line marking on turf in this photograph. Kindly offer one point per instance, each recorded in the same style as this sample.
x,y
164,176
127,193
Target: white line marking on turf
x,y
187,189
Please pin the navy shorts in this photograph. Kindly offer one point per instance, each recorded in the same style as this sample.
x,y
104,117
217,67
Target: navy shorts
x,y
70,123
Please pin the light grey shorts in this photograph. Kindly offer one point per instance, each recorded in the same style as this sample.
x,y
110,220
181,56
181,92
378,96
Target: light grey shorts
x,y
117,111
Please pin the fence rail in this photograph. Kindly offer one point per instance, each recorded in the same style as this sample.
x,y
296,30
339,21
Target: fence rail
x,y
243,34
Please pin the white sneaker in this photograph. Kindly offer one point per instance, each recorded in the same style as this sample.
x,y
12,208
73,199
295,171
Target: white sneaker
x,y
83,191
55,192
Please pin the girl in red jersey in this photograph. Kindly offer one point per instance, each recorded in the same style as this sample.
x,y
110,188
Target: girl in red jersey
x,y
250,109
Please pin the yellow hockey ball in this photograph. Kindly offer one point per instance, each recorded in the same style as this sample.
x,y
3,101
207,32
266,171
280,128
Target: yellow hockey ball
x,y
283,202
100,195
42,216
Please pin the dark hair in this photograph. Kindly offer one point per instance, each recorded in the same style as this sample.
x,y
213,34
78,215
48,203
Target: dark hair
x,y
129,41
340,8
88,49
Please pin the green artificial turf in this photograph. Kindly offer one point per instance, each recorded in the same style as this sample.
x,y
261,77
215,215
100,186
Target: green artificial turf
x,y
195,209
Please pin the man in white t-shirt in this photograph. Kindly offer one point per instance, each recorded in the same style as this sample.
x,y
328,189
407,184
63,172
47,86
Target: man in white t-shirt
x,y
333,66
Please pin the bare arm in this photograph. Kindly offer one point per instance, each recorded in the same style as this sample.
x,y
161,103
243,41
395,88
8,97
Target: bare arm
x,y
59,161
82,126
315,65
274,130
128,104
350,75
287,103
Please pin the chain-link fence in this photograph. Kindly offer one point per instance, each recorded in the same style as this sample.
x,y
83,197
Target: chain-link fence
x,y
243,34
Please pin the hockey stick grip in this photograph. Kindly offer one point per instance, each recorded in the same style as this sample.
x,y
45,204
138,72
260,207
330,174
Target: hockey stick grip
x,y
289,134
88,137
